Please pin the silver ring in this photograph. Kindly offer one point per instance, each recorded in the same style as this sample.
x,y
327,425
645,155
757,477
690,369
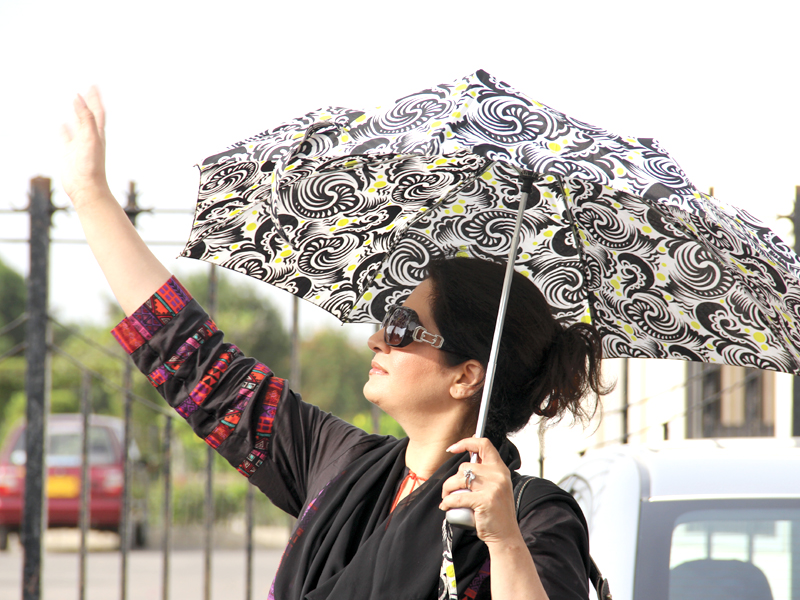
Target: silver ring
x,y
469,477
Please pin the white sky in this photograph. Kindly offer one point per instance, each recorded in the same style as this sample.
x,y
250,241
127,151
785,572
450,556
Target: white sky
x,y
716,82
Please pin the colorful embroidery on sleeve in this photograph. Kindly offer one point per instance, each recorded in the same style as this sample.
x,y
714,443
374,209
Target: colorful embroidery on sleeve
x,y
160,309
210,378
264,426
189,347
157,311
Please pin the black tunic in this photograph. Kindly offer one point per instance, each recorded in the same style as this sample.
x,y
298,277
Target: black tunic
x,y
336,479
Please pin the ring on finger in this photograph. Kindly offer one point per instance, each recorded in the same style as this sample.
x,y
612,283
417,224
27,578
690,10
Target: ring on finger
x,y
469,477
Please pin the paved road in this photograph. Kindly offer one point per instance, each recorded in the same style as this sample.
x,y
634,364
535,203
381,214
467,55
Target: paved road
x,y
144,575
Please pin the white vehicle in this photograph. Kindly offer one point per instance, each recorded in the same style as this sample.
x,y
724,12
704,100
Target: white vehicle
x,y
697,519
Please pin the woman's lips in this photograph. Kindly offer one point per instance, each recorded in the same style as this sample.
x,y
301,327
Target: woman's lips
x,y
377,369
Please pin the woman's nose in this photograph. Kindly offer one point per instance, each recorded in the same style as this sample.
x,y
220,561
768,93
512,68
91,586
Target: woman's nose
x,y
376,343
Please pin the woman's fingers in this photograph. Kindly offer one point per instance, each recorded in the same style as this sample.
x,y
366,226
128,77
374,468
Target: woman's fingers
x,y
490,493
86,118
84,146
459,480
66,133
490,499
485,450
95,105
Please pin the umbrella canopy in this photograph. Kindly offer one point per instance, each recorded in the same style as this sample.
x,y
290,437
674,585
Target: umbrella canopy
x,y
345,208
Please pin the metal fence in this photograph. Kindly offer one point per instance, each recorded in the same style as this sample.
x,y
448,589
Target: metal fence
x,y
157,481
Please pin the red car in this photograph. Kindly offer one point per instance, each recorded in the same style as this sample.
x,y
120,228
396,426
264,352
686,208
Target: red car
x,y
106,435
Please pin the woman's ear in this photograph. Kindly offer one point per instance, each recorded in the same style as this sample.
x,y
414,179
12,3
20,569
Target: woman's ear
x,y
468,381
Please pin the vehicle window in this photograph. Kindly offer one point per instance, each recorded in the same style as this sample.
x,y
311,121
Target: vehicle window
x,y
64,448
743,553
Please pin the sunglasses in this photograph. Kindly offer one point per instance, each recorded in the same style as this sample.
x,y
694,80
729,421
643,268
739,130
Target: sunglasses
x,y
401,326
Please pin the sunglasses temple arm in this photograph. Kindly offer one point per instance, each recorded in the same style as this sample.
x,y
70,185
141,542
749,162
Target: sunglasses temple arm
x,y
464,517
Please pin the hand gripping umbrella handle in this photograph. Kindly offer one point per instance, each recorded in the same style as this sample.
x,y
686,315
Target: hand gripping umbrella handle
x,y
464,517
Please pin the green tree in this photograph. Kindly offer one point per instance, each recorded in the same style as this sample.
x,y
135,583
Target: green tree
x,y
12,305
12,368
247,317
334,372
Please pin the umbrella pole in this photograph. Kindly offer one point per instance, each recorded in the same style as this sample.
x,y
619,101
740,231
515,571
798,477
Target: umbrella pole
x,y
527,186
464,517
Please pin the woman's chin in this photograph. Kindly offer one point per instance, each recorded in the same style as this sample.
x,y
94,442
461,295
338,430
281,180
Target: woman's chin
x,y
369,392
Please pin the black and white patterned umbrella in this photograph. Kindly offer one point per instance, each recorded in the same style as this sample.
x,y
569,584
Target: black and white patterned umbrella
x,y
345,208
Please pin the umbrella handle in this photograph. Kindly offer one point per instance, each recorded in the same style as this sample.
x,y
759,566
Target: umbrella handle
x,y
464,518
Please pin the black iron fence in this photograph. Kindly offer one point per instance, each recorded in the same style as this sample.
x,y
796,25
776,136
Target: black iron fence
x,y
152,494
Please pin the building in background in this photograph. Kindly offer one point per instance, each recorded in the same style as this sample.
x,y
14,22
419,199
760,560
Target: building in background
x,y
666,400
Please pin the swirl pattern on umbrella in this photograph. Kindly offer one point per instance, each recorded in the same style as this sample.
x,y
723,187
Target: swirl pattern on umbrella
x,y
345,208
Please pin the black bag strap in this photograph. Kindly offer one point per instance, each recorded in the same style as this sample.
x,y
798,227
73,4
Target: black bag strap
x,y
599,583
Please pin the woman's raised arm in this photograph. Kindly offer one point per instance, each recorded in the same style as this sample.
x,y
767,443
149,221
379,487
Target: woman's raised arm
x,y
132,271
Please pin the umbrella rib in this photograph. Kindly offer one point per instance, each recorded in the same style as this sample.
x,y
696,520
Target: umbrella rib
x,y
713,253
576,237
420,215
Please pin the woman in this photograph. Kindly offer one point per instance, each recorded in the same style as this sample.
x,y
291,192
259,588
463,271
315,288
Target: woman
x,y
370,508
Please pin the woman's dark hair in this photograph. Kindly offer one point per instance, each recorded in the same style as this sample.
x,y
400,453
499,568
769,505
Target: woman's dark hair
x,y
542,367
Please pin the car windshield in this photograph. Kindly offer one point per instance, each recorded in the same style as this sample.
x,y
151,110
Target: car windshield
x,y
709,549
64,448
754,550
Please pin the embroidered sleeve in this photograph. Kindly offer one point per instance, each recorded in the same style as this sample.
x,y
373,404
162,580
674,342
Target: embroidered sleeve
x,y
229,400
235,403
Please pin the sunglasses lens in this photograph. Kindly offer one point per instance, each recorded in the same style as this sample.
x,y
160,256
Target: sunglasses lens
x,y
395,326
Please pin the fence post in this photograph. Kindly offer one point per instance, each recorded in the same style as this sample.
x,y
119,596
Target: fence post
x,y
85,514
167,507
125,529
34,520
209,498
796,386
125,524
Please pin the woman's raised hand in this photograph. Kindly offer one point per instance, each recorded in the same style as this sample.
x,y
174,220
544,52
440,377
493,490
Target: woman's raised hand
x,y
491,496
84,174
132,271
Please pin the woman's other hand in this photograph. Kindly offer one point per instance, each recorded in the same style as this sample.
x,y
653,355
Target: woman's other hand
x,y
492,500
491,496
84,174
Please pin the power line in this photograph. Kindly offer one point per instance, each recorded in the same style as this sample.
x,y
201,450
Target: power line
x,y
116,355
15,350
102,379
14,324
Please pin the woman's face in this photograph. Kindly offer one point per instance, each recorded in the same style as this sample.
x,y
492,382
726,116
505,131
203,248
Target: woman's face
x,y
413,381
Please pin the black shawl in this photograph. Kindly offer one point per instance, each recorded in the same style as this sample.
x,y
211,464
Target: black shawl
x,y
347,544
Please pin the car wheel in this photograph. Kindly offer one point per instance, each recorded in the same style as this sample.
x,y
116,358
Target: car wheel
x,y
3,537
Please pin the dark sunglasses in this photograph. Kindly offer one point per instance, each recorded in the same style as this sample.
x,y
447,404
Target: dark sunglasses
x,y
401,326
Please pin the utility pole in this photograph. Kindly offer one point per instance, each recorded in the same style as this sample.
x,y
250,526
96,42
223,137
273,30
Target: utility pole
x,y
37,379
623,439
